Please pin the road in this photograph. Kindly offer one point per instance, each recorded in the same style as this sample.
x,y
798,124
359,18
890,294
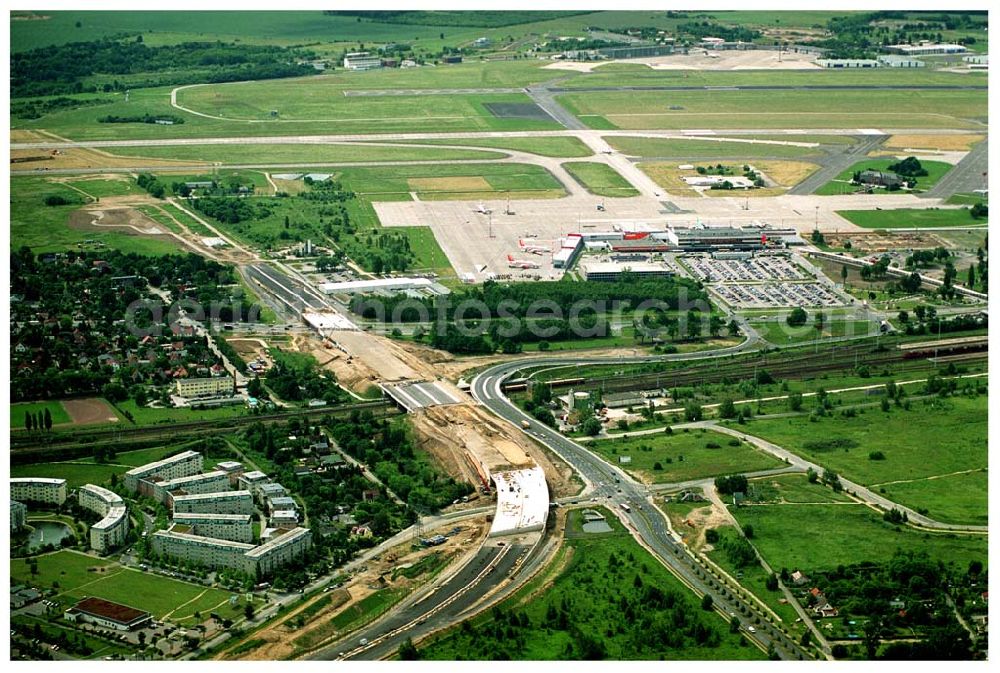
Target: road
x,y
837,164
967,175
608,483
437,607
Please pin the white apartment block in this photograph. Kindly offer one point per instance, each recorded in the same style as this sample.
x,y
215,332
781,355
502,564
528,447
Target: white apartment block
x,y
251,481
284,517
233,527
18,515
223,502
209,482
278,551
206,551
233,469
109,532
38,489
208,387
182,465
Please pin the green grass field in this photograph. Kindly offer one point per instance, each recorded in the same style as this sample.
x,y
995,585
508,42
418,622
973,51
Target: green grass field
x,y
46,228
600,179
148,416
393,182
813,537
795,488
912,218
18,412
841,183
161,596
106,187
781,333
936,437
555,146
762,109
291,154
683,455
939,496
600,574
428,255
76,473
697,148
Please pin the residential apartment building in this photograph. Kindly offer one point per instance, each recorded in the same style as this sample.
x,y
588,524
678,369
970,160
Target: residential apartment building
x,y
110,532
222,502
232,527
233,469
251,481
278,551
182,465
18,515
38,489
283,502
207,551
206,387
209,482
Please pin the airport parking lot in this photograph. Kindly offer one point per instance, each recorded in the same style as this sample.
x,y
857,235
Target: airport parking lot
x,y
773,295
760,268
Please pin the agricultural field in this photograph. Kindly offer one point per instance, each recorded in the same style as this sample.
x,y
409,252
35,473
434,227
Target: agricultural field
x,y
841,183
700,148
683,455
600,179
290,154
912,218
935,438
575,611
799,109
78,576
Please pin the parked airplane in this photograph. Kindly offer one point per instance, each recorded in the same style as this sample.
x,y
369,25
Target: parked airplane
x,y
521,263
533,249
481,208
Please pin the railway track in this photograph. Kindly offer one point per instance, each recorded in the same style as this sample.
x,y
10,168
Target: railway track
x,y
777,364
23,445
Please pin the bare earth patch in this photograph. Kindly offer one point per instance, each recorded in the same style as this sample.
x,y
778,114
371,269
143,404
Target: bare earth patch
x,y
90,411
957,142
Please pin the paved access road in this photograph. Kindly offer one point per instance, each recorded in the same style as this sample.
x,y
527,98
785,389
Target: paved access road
x,y
608,483
431,610
967,175
837,164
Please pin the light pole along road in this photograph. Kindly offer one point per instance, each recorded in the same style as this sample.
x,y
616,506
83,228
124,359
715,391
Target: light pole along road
x,y
606,482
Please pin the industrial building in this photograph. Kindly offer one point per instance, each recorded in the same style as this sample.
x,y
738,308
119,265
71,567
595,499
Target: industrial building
x,y
384,285
569,249
736,181
38,489
224,502
892,61
880,179
925,49
847,63
709,238
206,387
182,465
18,515
107,614
111,530
612,271
361,60
232,527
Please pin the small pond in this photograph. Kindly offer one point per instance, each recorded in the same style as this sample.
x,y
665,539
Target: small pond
x,y
47,532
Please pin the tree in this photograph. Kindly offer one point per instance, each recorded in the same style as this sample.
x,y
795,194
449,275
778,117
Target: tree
x,y
248,611
408,651
591,427
733,328
806,638
797,318
142,639
734,624
693,412
971,280
748,531
904,317
707,602
727,409
819,321
843,274
27,421
771,582
48,419
795,402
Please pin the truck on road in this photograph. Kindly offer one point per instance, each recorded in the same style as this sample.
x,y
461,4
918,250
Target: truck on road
x,y
626,507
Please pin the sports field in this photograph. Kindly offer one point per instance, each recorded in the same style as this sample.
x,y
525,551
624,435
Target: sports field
x,y
911,218
19,411
76,576
600,179
841,183
763,109
683,455
936,438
